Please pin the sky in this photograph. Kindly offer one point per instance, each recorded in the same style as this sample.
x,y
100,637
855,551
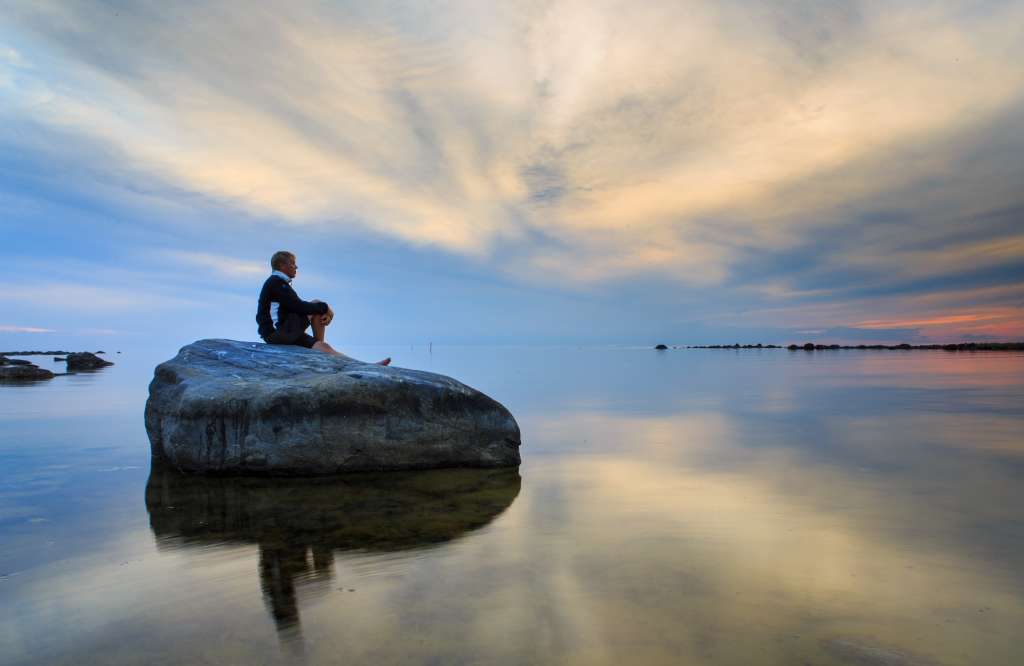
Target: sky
x,y
531,172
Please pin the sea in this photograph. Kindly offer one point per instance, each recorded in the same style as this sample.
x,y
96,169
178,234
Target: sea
x,y
686,506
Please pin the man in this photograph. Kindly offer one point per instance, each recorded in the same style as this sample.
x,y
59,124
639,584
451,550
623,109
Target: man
x,y
283,317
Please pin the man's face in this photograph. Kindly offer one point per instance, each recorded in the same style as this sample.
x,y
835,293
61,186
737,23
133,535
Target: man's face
x,y
289,267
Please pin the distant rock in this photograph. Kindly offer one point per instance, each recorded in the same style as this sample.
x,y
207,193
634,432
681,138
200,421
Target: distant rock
x,y
85,361
661,346
252,408
739,346
19,361
60,358
20,372
959,346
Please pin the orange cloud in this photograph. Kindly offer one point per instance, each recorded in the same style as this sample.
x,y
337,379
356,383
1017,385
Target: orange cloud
x,y
933,321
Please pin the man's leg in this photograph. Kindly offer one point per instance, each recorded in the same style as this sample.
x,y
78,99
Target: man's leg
x,y
320,330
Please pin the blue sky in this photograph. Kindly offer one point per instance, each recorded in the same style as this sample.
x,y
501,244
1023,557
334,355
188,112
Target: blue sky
x,y
540,173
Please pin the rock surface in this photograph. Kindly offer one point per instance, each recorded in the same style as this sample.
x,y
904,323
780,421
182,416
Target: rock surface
x,y
250,408
868,653
85,361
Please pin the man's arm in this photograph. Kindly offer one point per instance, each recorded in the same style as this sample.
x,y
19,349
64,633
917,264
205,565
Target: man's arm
x,y
289,300
328,316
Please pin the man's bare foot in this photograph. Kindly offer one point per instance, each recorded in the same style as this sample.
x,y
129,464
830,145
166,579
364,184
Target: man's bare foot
x,y
386,361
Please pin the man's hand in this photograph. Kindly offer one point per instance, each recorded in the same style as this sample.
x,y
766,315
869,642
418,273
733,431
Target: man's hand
x,y
327,318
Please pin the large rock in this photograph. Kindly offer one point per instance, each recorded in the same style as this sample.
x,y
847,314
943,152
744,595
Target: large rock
x,y
244,407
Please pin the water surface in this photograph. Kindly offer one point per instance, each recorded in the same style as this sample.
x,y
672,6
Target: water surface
x,y
683,507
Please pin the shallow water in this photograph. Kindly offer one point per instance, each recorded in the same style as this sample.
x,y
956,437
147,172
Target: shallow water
x,y
683,507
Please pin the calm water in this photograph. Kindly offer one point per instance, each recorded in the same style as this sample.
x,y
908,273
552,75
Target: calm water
x,y
683,507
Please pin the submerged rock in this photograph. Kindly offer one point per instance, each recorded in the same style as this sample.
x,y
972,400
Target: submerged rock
x,y
866,653
243,408
85,361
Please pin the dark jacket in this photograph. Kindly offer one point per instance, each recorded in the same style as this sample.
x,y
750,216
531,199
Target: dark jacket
x,y
277,290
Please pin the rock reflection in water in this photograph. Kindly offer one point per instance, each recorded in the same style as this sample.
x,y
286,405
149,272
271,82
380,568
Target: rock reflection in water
x,y
299,523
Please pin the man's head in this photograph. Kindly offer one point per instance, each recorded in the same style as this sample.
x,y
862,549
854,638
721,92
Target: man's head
x,y
284,261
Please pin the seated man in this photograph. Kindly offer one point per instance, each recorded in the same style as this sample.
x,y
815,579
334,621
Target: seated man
x,y
283,317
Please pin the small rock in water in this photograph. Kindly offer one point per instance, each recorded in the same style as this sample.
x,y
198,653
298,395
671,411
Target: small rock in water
x,y
85,361
22,372
661,347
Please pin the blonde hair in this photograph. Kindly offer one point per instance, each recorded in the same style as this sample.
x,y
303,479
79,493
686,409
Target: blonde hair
x,y
279,258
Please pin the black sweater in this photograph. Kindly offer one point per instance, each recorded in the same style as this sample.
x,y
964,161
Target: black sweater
x,y
277,290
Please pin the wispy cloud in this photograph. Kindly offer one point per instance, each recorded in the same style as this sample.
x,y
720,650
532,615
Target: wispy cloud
x,y
568,142
100,331
652,119
9,55
88,298
219,264
8,328
934,321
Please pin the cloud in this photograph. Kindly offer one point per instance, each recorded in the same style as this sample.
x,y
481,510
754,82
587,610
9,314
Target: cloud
x,y
8,328
934,321
100,331
570,143
940,314
651,118
224,265
85,298
9,55
864,333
